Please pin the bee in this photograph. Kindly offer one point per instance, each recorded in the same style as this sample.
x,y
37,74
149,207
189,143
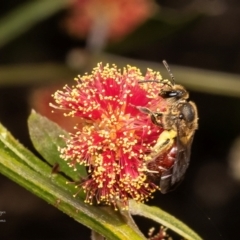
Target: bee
x,y
169,158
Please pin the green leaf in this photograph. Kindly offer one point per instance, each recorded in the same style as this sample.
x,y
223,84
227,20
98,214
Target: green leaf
x,y
45,136
26,16
164,219
15,163
13,148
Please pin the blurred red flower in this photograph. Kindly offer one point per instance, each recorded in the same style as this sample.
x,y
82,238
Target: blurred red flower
x,y
119,17
160,235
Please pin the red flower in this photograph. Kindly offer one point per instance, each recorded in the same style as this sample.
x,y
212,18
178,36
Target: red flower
x,y
116,139
119,17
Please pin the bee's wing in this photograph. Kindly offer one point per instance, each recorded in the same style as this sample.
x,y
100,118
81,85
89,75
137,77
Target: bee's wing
x,y
181,164
171,178
165,181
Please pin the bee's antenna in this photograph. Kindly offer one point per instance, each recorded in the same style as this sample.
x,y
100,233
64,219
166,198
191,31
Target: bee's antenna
x,y
169,71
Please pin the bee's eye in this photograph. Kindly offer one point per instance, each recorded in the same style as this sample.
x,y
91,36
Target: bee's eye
x,y
187,112
181,116
178,94
171,93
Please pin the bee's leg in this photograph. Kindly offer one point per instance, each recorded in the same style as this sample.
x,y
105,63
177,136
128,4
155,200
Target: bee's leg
x,y
164,142
144,110
163,177
165,181
153,115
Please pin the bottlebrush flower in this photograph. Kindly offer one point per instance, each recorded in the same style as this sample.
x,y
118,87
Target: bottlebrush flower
x,y
120,17
116,138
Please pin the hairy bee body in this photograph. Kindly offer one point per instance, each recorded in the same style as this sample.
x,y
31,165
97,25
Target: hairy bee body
x,y
170,156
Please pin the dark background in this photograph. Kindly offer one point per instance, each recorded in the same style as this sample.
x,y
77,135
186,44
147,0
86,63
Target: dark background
x,y
208,199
